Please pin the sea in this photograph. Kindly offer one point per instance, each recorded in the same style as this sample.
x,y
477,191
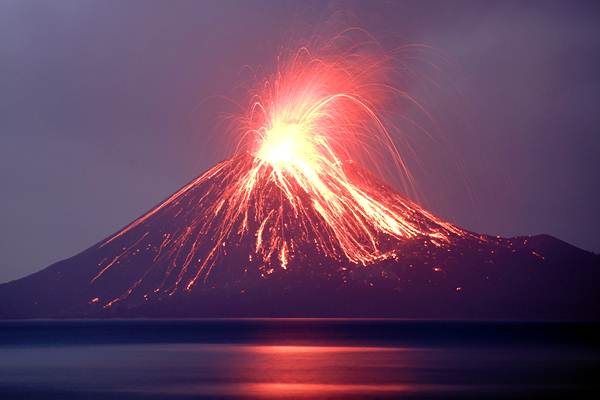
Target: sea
x,y
298,359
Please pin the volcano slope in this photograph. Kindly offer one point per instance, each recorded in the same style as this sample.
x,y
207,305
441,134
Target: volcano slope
x,y
207,252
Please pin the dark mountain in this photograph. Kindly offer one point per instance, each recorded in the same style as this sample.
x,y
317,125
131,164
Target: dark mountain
x,y
197,255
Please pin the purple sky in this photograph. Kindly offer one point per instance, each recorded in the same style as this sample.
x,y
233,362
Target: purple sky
x,y
101,112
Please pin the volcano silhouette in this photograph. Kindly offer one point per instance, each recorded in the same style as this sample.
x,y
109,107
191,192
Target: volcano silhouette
x,y
157,266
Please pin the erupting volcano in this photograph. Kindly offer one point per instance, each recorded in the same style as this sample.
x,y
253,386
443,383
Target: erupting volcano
x,y
299,221
290,189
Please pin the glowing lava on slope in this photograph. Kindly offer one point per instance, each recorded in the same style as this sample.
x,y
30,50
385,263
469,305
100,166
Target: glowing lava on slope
x,y
295,183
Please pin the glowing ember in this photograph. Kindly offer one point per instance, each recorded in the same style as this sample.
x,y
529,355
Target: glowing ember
x,y
291,186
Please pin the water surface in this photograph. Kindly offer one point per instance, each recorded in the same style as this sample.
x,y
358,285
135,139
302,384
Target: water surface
x,y
297,358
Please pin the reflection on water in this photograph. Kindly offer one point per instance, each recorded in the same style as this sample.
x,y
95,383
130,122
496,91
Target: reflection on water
x,y
313,369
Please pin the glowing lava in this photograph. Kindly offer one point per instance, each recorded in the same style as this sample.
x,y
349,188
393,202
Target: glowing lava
x,y
286,144
293,186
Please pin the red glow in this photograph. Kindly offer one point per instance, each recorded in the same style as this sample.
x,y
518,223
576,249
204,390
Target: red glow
x,y
307,125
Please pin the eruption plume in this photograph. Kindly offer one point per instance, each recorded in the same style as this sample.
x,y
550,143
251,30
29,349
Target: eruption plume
x,y
305,177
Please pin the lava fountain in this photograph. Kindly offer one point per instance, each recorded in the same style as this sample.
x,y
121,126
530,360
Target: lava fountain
x,y
295,182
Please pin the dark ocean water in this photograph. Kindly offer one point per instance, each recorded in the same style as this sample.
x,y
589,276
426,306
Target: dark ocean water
x,y
298,358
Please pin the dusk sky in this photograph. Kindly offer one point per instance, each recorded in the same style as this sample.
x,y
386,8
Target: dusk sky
x,y
103,109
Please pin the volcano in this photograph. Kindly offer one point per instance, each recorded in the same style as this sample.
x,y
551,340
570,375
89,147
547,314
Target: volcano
x,y
197,255
300,222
